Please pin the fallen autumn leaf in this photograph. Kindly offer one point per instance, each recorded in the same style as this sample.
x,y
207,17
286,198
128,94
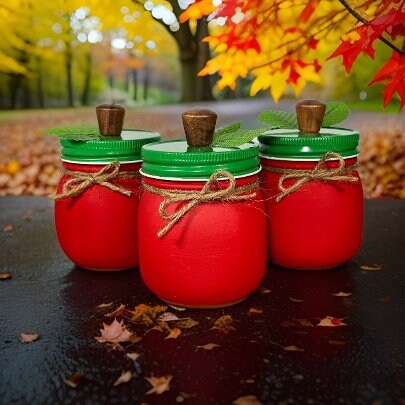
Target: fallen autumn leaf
x,y
255,310
133,356
75,379
224,324
167,317
107,305
295,299
114,333
29,337
342,294
330,321
292,348
123,378
117,312
247,400
371,268
159,384
174,334
208,346
5,276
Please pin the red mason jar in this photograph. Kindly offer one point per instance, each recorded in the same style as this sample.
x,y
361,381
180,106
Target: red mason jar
x,y
314,197
197,250
96,226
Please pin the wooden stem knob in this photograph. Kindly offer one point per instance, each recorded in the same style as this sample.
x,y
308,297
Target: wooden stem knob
x,y
110,119
310,115
199,126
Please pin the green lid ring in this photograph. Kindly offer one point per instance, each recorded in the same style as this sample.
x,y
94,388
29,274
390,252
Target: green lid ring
x,y
240,176
124,149
176,160
288,145
312,159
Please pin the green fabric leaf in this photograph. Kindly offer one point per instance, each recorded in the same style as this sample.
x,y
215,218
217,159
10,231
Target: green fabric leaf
x,y
76,133
336,111
238,137
278,119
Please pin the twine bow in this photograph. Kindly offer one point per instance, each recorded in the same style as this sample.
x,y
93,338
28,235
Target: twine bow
x,y
81,181
340,173
193,198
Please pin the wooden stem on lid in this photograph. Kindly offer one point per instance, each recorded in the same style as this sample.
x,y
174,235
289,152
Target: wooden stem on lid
x,y
310,115
199,126
110,119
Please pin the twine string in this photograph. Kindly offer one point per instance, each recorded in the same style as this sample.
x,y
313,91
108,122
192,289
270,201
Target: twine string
x,y
196,197
321,173
81,181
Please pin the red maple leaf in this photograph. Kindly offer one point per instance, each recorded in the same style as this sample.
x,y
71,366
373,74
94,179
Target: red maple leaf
x,y
392,72
391,22
351,50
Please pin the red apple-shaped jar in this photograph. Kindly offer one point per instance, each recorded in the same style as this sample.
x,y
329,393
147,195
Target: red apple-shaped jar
x,y
313,193
96,208
202,223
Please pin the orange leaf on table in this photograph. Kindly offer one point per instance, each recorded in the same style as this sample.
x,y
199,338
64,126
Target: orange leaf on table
x,y
133,356
330,321
167,317
75,379
255,310
159,384
116,332
370,268
29,337
292,348
208,346
174,334
123,378
224,324
117,312
247,400
342,294
105,305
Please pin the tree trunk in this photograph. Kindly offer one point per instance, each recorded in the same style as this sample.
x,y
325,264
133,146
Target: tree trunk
x,y
69,78
135,83
193,56
203,84
87,79
15,80
26,93
40,85
146,83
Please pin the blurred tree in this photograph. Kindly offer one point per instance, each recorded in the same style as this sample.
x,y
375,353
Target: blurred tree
x,y
282,42
188,35
58,39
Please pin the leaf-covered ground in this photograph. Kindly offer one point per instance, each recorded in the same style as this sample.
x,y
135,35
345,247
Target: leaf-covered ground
x,y
30,161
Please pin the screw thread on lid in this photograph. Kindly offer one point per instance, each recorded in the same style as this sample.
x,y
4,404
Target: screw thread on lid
x,y
310,115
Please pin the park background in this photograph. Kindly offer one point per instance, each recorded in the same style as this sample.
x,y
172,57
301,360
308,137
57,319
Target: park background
x,y
59,59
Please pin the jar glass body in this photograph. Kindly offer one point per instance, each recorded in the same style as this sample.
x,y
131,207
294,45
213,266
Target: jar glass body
x,y
97,229
214,256
319,225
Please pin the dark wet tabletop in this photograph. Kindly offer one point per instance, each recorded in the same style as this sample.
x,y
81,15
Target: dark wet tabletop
x,y
276,352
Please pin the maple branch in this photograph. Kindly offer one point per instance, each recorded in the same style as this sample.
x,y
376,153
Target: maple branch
x,y
360,18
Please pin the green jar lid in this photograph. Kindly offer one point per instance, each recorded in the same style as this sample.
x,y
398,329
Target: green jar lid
x,y
291,144
124,148
175,159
